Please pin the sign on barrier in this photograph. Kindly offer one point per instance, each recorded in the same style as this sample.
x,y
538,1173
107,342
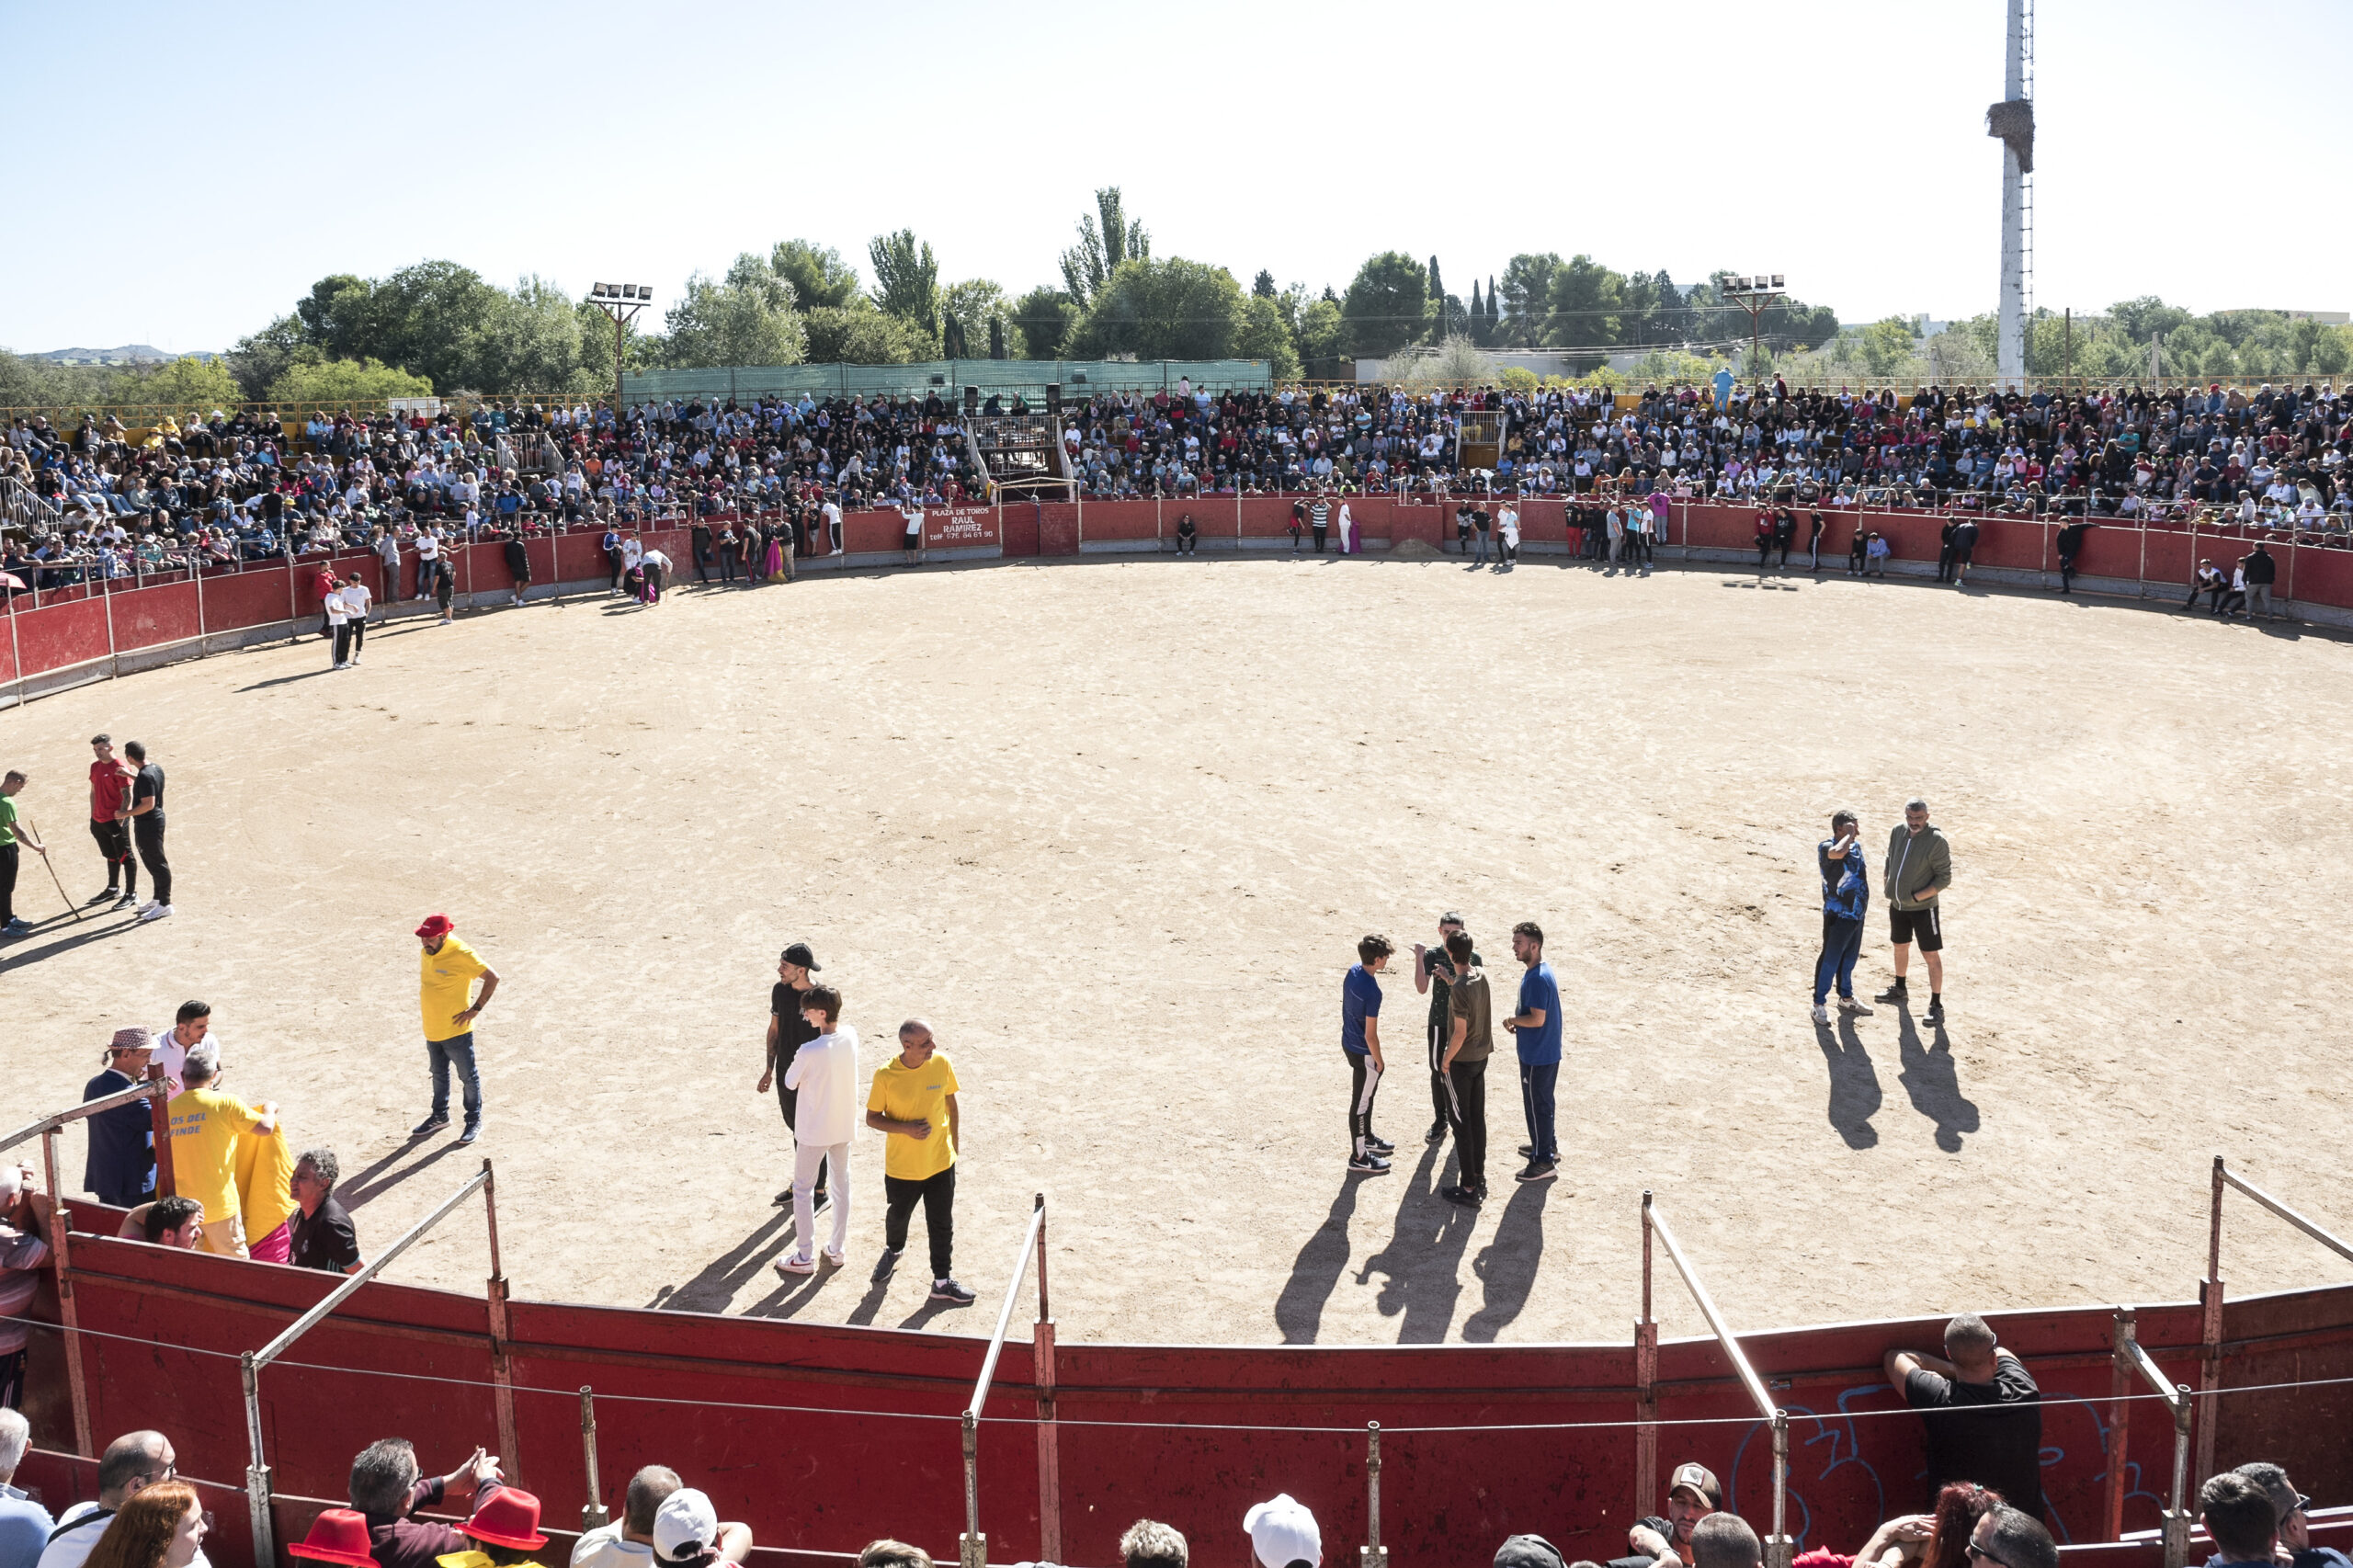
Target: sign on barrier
x,y
960,527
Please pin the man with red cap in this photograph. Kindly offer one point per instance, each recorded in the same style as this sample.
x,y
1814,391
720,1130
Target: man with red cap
x,y
445,971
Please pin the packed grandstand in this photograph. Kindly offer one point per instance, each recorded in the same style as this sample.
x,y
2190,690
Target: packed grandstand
x,y
101,499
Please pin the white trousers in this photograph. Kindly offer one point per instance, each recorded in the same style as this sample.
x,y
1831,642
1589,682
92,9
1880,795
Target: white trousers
x,y
806,1158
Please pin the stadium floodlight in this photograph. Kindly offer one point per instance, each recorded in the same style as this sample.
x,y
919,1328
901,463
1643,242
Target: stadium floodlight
x,y
621,302
1755,294
1777,280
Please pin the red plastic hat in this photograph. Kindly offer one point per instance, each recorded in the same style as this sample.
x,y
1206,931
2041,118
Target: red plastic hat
x,y
509,1518
337,1534
435,925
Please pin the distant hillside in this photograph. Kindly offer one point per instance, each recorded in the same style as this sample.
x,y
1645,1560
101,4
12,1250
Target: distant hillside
x,y
128,354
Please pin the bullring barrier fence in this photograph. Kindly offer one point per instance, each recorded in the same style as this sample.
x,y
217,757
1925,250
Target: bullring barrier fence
x,y
850,1426
63,637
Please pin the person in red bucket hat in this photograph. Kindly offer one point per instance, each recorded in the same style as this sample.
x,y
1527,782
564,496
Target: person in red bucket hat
x,y
337,1534
447,968
507,1527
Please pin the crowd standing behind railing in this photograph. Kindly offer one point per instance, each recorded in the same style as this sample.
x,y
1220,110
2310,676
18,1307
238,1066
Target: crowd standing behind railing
x,y
105,502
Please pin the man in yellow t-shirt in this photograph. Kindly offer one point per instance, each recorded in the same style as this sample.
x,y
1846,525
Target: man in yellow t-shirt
x,y
206,1125
445,971
914,1103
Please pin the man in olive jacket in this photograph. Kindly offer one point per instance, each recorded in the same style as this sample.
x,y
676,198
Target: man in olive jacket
x,y
1919,868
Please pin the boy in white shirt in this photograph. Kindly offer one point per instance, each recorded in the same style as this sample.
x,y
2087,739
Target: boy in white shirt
x,y
356,600
823,1077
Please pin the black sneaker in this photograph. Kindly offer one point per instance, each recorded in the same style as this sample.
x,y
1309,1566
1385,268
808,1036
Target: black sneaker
x,y
884,1265
817,1199
1381,1145
1436,1134
782,1199
98,898
473,1132
127,900
1369,1164
433,1123
1528,1150
1466,1196
1895,993
948,1290
1935,1016
1539,1170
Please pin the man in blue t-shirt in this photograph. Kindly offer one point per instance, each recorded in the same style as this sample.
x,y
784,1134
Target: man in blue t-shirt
x,y
1360,1043
1536,1027
1845,898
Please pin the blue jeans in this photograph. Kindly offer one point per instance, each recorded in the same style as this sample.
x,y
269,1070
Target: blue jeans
x,y
1842,942
458,1049
1535,1086
1482,547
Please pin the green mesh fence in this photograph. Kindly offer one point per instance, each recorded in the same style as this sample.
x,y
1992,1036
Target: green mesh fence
x,y
948,378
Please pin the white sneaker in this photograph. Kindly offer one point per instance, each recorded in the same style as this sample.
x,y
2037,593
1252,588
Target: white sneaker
x,y
1821,1014
157,912
1849,1004
796,1263
145,907
835,1258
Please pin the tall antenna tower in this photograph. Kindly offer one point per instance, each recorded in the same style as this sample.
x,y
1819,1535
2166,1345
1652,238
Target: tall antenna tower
x,y
2012,121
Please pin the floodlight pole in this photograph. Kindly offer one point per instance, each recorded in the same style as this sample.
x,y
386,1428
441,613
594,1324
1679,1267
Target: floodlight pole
x,y
1755,300
623,310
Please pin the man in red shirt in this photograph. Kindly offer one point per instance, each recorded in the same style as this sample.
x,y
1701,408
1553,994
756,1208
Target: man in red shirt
x,y
110,779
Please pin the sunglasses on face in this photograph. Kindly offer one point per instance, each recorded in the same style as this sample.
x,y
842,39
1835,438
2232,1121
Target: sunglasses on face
x,y
1978,1553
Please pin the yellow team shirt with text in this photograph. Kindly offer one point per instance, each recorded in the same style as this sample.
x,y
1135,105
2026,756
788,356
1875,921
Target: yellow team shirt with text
x,y
205,1127
915,1094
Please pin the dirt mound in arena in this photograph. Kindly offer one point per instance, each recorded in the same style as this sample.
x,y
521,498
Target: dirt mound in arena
x,y
1416,550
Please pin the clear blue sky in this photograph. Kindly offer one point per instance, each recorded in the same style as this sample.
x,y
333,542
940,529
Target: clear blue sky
x,y
185,172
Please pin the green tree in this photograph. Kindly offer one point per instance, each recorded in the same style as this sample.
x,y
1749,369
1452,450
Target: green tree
x,y
858,333
981,309
1263,286
1383,308
337,315
1884,344
1102,249
1527,291
349,382
817,275
1265,334
1162,310
906,278
1320,331
430,320
1588,303
746,319
183,385
1041,321
260,357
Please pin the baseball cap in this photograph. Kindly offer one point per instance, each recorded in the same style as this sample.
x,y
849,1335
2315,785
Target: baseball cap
x,y
1700,1479
685,1527
798,953
1283,1532
1527,1551
435,925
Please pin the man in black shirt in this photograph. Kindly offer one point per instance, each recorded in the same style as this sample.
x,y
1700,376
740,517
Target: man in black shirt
x,y
1433,970
323,1233
788,1032
2071,545
147,829
1983,1412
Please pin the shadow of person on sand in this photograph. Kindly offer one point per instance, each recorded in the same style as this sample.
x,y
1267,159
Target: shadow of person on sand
x,y
1298,1310
1506,1266
711,1290
1855,1095
1928,1077
372,1182
1422,1265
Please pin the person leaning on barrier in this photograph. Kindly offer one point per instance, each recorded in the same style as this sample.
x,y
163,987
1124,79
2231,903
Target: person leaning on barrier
x,y
386,1489
687,1533
1148,1543
206,1125
132,1463
175,1221
2291,1510
1692,1495
1283,1534
25,1524
1983,1412
324,1235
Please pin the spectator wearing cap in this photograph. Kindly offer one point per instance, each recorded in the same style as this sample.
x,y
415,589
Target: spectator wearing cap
x,y
173,1222
1983,1412
1692,1495
504,1528
687,1534
386,1489
1148,1543
1283,1534
206,1125
1527,1551
132,1463
788,1030
24,1217
23,1523
2291,1526
627,1541
120,1169
445,971
323,1236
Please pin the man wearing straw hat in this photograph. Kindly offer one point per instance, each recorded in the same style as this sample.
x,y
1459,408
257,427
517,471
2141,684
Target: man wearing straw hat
x,y
120,1170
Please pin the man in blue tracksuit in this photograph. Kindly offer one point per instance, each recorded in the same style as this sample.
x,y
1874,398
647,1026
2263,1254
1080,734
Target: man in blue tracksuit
x,y
1846,897
1535,1031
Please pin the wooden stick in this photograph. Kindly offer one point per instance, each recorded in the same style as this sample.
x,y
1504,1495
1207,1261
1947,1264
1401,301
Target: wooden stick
x,y
71,906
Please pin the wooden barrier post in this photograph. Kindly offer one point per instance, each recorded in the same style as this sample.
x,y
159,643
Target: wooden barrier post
x,y
2210,1330
60,1242
2120,1418
501,1370
593,1513
1049,1452
1645,1390
159,1115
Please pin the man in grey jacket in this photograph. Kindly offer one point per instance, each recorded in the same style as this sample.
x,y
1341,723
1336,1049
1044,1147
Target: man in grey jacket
x,y
1919,868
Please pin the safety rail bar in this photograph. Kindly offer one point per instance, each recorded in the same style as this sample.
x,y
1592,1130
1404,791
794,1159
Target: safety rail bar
x,y
258,1489
972,1549
1779,1550
2209,1293
2134,1362
48,1125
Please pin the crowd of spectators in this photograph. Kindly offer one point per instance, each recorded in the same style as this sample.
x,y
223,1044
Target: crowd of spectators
x,y
105,501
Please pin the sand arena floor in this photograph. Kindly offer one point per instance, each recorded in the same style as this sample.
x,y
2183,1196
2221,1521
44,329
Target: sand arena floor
x,y
1115,825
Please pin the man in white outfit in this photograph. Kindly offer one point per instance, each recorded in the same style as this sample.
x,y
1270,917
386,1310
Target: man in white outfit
x,y
1348,530
823,1078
